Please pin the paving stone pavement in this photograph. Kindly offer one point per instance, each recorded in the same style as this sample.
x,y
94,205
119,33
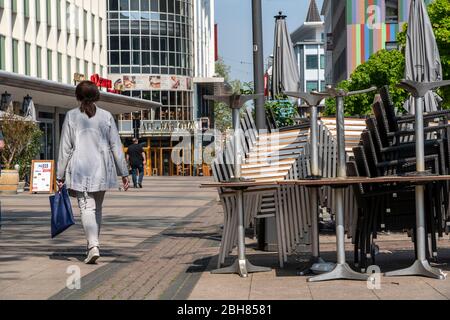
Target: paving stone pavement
x,y
162,242
158,225
396,251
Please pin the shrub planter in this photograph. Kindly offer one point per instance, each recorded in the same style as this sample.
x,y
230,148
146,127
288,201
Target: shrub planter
x,y
9,181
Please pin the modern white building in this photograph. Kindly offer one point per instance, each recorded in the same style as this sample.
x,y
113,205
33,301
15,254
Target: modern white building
x,y
308,42
163,51
53,39
43,44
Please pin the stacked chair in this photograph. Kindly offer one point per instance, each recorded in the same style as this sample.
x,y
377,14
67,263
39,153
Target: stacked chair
x,y
270,157
386,148
276,156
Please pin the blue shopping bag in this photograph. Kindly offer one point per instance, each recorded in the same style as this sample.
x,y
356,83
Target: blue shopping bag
x,y
62,215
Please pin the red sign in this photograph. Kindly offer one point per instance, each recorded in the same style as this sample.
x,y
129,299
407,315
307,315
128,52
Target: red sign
x,y
101,82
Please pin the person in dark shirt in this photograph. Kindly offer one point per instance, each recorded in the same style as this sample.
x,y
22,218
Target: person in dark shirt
x,y
2,141
2,146
136,158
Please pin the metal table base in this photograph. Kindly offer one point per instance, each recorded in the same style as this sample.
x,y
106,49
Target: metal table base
x,y
419,268
241,267
341,272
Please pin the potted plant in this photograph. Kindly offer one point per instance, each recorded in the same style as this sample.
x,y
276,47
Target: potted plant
x,y
22,144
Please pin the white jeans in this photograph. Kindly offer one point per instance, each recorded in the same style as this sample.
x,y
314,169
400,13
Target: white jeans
x,y
90,205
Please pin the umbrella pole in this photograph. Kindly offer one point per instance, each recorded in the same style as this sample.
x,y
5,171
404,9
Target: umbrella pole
x,y
421,266
342,270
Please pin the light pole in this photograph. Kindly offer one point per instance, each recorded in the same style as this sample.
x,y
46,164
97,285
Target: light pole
x,y
258,64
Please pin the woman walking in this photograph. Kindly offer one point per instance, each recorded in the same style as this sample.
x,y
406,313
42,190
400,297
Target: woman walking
x,y
90,160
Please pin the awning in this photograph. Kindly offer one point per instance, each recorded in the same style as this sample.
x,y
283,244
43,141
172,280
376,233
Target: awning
x,y
55,94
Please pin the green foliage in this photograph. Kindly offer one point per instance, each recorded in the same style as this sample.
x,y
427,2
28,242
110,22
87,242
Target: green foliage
x,y
222,114
439,12
283,110
22,143
382,68
30,153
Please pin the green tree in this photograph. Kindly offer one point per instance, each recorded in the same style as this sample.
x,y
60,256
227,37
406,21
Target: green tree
x,y
383,68
222,113
439,12
22,143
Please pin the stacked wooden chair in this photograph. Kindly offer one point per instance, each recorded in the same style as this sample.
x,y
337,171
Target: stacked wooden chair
x,y
276,156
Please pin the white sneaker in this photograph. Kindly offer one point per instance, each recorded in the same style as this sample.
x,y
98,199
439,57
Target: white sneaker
x,y
92,256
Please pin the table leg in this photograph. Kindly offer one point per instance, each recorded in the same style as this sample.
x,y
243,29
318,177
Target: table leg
x,y
316,263
241,266
421,266
342,270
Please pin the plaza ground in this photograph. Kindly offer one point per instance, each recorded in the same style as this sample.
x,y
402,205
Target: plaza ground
x,y
161,242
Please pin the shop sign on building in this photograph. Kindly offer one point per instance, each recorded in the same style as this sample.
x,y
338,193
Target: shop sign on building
x,y
167,127
153,82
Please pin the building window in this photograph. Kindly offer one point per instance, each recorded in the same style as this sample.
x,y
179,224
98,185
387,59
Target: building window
x,y
312,62
15,55
100,30
39,62
14,6
312,86
2,53
78,66
27,59
85,26
2,3
69,69
322,61
86,71
322,86
26,8
38,10
49,64
60,79
58,14
391,11
93,27
49,13
392,45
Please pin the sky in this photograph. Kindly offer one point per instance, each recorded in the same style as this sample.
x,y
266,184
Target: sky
x,y
234,19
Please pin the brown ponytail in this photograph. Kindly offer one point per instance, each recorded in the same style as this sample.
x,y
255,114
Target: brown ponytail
x,y
87,93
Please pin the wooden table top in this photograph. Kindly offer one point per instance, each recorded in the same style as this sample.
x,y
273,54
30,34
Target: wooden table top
x,y
365,180
331,182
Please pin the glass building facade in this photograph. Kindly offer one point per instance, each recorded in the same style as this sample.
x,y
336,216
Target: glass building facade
x,y
150,52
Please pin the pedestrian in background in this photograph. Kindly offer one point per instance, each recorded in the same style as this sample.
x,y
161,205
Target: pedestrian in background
x,y
137,160
2,146
90,160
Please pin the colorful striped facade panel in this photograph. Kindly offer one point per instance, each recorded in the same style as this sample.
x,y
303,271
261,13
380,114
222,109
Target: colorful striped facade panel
x,y
367,30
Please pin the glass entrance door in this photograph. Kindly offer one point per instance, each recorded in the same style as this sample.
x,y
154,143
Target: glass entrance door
x,y
166,161
47,141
